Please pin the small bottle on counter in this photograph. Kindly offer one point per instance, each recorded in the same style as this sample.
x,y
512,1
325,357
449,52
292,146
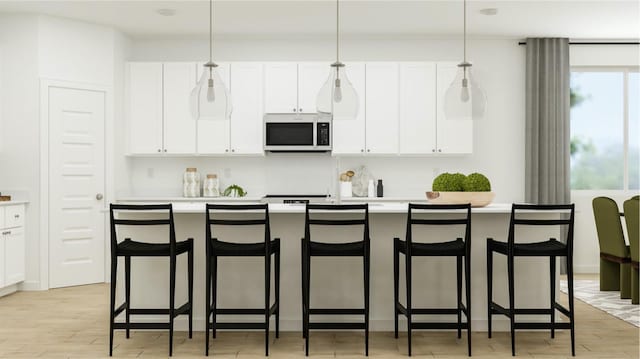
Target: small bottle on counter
x,y
371,189
191,183
211,187
380,189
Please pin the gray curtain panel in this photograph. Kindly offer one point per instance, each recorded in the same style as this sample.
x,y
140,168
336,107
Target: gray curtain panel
x,y
547,121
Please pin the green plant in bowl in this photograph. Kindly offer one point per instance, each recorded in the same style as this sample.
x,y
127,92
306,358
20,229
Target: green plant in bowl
x,y
448,182
234,191
476,182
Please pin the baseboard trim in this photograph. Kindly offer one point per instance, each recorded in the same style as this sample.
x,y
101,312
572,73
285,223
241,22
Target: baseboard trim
x,y
31,285
8,290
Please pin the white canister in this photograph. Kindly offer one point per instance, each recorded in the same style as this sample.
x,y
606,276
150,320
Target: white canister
x,y
371,189
346,189
191,183
211,187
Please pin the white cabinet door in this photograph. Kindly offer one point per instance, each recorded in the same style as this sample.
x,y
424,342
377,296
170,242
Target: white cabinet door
x,y
382,107
417,108
145,107
281,87
213,136
14,248
349,133
454,136
246,119
311,77
179,125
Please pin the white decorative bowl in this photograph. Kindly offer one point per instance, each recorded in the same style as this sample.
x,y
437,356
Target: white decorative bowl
x,y
477,199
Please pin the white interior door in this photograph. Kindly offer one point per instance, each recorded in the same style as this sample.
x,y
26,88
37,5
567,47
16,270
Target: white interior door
x,y
76,185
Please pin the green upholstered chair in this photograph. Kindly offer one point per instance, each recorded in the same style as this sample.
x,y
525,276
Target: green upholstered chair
x,y
615,262
631,209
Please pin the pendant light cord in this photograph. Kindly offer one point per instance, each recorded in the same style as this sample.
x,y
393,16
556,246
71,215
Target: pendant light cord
x,y
210,30
337,30
464,36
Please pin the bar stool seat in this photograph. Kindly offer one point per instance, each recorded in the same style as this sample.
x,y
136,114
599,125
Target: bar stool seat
x,y
350,249
142,249
451,248
534,249
230,249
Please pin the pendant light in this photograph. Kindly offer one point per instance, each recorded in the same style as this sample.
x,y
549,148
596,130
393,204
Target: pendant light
x,y
337,96
210,99
464,99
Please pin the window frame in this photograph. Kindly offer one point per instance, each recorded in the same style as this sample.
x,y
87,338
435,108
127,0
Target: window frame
x,y
625,70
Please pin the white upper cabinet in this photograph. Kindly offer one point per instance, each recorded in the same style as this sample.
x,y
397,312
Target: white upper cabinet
x,y
453,136
179,124
213,136
145,107
382,108
349,133
417,108
281,87
311,77
248,109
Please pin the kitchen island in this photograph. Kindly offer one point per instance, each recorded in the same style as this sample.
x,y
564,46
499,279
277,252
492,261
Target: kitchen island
x,y
337,282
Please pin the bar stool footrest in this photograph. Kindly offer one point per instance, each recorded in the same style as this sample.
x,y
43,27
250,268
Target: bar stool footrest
x,y
431,311
240,326
337,326
244,311
536,325
337,311
438,325
119,325
184,309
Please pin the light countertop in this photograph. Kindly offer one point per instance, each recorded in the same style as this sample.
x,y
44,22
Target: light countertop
x,y
11,203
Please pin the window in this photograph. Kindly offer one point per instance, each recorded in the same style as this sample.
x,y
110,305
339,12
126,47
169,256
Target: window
x,y
605,152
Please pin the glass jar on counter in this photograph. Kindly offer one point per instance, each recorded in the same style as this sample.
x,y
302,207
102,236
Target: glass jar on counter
x,y
211,187
191,183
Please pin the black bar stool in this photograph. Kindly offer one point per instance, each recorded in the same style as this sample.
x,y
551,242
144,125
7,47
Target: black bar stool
x,y
459,248
551,248
129,248
351,249
217,248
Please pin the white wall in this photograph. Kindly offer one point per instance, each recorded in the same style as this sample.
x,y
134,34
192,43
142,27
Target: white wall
x,y
20,154
498,64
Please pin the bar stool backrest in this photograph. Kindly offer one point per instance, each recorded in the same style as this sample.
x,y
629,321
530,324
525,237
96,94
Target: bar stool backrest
x,y
153,209
609,227
460,215
519,217
335,209
241,209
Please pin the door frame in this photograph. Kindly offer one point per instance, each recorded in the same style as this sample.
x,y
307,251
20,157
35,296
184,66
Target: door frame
x,y
45,85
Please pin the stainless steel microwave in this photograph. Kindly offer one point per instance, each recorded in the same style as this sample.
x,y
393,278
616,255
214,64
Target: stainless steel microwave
x,y
297,133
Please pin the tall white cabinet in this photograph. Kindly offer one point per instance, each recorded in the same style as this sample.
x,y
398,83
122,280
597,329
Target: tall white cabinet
x,y
417,123
12,244
290,87
349,133
382,108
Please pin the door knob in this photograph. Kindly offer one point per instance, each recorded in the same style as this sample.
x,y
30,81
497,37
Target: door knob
x,y
99,196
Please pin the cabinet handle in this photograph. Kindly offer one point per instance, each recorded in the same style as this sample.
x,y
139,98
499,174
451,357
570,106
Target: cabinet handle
x,y
165,150
226,150
362,150
299,110
16,216
159,150
294,110
368,150
233,150
439,150
5,233
433,150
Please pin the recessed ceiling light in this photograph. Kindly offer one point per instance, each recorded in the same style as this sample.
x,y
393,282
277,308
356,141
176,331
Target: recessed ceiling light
x,y
490,11
166,12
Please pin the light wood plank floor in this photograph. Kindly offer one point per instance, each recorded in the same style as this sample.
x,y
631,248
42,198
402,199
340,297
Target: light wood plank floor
x,y
73,323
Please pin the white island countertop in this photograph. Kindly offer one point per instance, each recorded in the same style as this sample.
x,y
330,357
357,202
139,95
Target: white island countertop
x,y
198,206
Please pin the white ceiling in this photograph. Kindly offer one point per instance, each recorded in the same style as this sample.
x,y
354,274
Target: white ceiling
x,y
604,19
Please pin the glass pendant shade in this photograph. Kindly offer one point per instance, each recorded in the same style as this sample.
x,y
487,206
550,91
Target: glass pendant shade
x,y
464,99
210,99
337,96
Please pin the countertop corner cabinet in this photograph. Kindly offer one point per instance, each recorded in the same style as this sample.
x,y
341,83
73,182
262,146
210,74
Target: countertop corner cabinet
x,y
12,244
401,108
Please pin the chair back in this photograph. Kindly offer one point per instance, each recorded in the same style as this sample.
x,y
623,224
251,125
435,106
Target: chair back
x,y
153,209
523,215
311,218
452,215
631,217
213,212
609,227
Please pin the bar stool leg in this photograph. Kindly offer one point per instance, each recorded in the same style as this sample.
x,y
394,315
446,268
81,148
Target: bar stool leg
x,y
408,279
114,268
552,284
277,280
459,292
172,299
127,289
190,270
267,295
489,286
367,265
303,266
207,312
467,278
512,315
571,307
307,281
396,280
214,294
